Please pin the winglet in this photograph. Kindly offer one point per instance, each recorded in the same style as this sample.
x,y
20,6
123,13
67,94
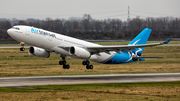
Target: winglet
x,y
167,41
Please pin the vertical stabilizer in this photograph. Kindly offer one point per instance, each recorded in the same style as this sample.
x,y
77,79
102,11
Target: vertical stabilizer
x,y
140,39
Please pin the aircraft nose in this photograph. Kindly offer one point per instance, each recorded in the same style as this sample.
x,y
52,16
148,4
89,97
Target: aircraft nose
x,y
9,31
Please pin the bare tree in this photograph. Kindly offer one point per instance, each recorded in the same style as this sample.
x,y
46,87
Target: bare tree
x,y
86,21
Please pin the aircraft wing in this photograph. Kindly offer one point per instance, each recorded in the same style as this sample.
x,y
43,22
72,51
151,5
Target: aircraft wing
x,y
116,48
123,47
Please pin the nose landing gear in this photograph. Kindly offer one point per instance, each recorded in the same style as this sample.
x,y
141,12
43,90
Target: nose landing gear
x,y
22,46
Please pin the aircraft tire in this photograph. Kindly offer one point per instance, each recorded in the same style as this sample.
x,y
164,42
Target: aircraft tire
x,y
67,66
87,62
87,67
60,62
22,49
84,62
64,66
90,66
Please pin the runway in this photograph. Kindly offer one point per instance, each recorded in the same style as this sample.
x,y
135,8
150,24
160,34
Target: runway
x,y
87,79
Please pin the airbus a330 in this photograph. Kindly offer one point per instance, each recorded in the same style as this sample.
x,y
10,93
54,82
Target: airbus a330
x,y
42,42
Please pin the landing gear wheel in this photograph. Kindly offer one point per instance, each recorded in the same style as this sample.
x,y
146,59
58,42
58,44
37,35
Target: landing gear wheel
x,y
64,62
87,67
22,49
64,66
90,66
60,62
84,62
67,66
87,62
22,46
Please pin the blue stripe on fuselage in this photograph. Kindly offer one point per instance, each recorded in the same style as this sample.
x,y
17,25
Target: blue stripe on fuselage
x,y
124,57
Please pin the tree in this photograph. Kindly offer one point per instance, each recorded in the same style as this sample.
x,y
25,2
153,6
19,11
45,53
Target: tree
x,y
58,26
116,24
86,22
5,25
98,25
68,26
22,22
75,25
136,23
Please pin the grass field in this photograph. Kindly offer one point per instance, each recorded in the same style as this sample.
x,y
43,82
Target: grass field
x,y
156,91
16,63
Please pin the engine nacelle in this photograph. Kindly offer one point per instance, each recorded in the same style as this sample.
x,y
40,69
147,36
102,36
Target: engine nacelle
x,y
79,52
38,52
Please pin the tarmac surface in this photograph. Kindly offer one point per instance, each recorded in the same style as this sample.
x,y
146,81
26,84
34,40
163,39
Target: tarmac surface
x,y
87,79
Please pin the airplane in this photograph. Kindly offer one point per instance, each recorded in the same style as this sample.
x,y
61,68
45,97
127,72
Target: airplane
x,y
42,42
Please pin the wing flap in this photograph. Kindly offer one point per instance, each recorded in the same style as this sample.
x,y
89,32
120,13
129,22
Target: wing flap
x,y
125,47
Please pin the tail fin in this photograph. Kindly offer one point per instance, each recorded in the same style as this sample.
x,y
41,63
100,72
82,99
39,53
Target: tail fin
x,y
140,39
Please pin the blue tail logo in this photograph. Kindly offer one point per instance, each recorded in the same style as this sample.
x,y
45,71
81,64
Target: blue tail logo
x,y
139,40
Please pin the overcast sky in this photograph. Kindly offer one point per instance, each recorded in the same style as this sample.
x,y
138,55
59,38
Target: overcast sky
x,y
99,9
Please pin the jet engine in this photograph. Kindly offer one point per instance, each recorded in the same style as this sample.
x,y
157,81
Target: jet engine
x,y
79,52
38,52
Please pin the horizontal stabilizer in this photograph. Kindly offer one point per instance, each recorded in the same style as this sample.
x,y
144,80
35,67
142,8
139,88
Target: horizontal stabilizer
x,y
147,57
167,41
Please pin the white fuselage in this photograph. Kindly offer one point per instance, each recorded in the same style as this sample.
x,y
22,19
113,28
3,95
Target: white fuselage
x,y
50,41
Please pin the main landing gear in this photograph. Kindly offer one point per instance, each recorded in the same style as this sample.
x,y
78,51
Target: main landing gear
x,y
65,66
87,64
22,46
64,63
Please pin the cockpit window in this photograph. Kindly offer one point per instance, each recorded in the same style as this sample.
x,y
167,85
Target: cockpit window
x,y
16,28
